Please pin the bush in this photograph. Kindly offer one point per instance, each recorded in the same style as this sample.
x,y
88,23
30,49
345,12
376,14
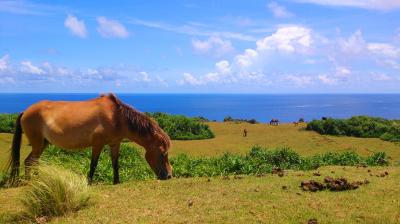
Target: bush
x,y
7,122
54,192
358,126
230,119
180,127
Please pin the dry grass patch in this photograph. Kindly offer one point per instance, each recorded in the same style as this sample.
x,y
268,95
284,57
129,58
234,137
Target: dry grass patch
x,y
54,192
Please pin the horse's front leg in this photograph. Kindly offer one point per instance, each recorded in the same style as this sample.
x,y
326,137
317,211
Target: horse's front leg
x,y
114,157
96,150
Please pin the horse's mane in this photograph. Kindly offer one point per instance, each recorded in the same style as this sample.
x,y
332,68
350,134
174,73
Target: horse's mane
x,y
139,122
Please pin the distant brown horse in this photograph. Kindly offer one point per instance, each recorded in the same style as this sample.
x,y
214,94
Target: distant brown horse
x,y
105,120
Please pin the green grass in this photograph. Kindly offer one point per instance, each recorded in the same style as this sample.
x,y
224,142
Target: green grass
x,y
251,199
247,200
257,161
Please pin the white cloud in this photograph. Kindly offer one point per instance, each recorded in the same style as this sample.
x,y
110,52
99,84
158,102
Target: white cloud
x,y
76,26
384,49
355,44
111,28
290,39
27,8
213,45
28,67
381,77
223,67
342,72
145,77
4,63
221,75
279,11
191,30
384,54
190,79
247,58
300,81
365,4
162,81
325,79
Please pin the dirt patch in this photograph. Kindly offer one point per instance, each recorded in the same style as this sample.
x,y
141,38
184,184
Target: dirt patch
x,y
312,221
333,184
384,174
279,171
312,185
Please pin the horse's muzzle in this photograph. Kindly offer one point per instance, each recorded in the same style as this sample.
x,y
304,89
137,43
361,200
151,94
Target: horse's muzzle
x,y
164,176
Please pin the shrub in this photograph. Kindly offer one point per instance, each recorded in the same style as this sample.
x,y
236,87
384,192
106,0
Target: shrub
x,y
54,192
180,127
358,126
7,122
230,119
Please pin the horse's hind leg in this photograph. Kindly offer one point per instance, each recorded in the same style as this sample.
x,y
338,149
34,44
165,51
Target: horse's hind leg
x,y
38,144
96,150
114,157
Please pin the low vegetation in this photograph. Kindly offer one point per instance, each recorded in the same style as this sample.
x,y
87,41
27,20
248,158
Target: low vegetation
x,y
7,122
258,161
54,192
358,126
180,127
230,119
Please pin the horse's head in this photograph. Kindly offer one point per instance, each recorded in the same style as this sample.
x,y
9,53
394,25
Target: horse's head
x,y
157,157
143,130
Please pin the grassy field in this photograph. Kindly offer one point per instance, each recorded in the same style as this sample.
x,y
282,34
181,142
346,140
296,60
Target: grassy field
x,y
247,200
229,139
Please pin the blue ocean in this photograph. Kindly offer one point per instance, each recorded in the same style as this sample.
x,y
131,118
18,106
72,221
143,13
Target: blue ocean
x,y
262,107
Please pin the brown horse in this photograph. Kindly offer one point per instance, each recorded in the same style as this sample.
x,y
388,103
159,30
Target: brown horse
x,y
105,120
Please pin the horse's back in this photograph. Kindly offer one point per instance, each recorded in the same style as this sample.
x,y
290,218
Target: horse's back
x,y
69,124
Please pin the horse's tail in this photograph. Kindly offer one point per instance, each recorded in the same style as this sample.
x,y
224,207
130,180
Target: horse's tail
x,y
15,152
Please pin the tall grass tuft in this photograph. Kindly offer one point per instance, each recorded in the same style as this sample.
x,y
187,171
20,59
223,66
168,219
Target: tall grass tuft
x,y
54,192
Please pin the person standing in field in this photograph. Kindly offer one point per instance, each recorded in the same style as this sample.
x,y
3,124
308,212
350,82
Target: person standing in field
x,y
245,132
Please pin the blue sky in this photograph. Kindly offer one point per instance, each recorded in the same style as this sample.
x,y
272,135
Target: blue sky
x,y
240,46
